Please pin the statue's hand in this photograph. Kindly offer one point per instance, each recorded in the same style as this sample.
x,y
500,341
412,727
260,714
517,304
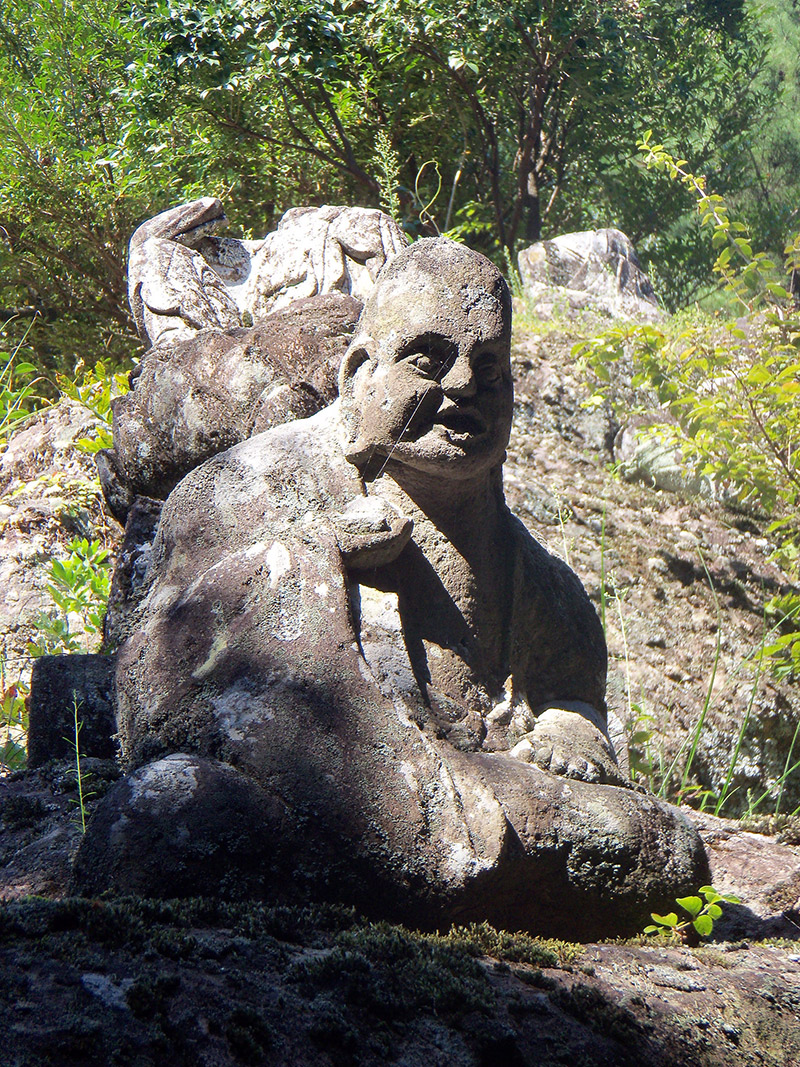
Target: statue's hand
x,y
371,532
567,744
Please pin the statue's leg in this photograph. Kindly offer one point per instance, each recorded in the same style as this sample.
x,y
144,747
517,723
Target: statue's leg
x,y
588,860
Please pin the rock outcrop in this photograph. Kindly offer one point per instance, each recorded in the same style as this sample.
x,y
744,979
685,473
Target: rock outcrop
x,y
595,270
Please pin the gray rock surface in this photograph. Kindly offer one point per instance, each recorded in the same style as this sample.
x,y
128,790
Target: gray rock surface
x,y
344,610
319,250
762,870
594,270
215,984
646,451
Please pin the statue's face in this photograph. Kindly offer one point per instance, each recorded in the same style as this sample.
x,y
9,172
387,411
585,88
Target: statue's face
x,y
427,379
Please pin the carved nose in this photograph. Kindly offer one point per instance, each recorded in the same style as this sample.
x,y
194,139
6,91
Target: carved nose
x,y
460,380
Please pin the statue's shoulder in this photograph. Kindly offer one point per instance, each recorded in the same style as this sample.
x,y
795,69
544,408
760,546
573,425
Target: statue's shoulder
x,y
304,456
286,479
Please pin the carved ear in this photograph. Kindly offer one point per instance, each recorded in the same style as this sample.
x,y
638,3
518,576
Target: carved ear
x,y
354,358
355,375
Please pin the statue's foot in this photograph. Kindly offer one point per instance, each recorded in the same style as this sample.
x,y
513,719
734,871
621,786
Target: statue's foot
x,y
567,744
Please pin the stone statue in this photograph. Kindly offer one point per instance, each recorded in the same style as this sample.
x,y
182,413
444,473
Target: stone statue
x,y
172,289
348,637
245,334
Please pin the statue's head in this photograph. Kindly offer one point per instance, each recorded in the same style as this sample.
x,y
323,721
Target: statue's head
x,y
426,379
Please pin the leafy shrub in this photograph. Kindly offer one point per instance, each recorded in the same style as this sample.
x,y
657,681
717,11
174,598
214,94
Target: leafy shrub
x,y
78,587
94,389
730,391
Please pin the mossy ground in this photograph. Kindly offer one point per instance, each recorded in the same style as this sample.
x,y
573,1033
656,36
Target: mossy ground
x,y
135,982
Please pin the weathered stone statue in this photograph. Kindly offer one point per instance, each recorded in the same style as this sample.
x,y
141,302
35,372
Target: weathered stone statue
x,y
355,676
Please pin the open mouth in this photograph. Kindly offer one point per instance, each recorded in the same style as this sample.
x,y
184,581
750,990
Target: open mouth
x,y
461,421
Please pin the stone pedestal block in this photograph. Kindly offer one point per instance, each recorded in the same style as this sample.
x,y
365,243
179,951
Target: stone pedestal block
x,y
58,683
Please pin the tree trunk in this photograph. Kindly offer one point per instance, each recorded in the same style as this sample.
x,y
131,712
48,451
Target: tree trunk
x,y
533,211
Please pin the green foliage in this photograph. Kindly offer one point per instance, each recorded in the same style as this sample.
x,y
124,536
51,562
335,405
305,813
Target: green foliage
x,y
766,192
13,722
111,114
732,388
85,160
524,104
95,388
18,395
79,587
388,167
702,910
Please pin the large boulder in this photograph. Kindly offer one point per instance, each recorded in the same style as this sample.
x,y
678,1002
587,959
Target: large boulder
x,y
591,271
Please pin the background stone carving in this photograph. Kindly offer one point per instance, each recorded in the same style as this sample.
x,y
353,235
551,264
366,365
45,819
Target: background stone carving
x,y
181,279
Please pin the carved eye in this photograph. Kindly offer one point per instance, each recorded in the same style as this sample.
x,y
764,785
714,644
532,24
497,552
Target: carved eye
x,y
430,359
427,364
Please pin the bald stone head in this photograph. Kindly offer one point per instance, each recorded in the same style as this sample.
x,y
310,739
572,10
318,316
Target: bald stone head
x,y
426,381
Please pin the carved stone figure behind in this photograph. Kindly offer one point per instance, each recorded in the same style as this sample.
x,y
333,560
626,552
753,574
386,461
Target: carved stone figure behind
x,y
342,617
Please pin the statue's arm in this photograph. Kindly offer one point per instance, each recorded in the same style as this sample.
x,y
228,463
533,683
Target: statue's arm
x,y
566,676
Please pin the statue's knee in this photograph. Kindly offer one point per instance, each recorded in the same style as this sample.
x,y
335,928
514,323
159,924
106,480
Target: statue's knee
x,y
182,826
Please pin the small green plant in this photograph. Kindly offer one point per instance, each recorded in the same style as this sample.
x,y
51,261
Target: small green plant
x,y
79,587
784,650
80,777
388,170
95,389
640,747
18,396
702,912
513,275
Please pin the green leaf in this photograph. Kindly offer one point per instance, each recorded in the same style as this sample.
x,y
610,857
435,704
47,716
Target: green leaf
x,y
703,924
690,904
665,920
